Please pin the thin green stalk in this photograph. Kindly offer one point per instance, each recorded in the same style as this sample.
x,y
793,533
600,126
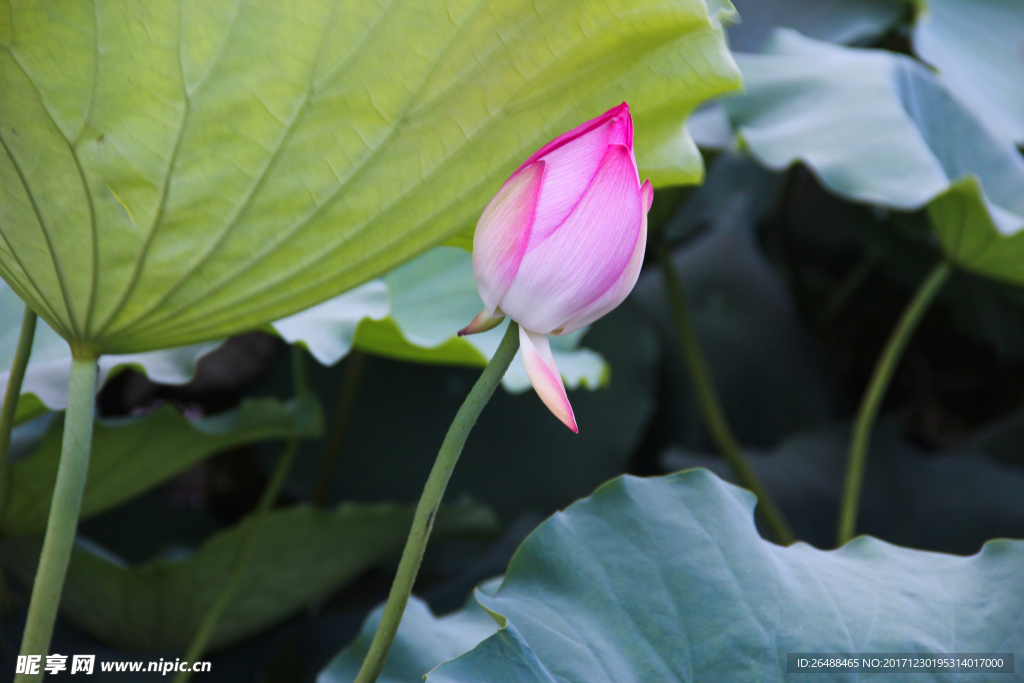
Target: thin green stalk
x,y
872,400
350,383
277,478
8,412
711,407
67,501
430,501
248,544
13,391
300,377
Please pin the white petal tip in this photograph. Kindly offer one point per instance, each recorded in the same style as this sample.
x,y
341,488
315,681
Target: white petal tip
x,y
560,407
544,376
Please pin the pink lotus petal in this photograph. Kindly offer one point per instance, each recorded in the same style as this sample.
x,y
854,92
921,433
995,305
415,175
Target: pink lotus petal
x,y
617,293
586,256
647,194
481,323
622,131
544,375
503,233
568,136
568,171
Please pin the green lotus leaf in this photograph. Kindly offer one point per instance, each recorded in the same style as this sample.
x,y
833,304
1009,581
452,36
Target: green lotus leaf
x,y
874,126
667,580
182,170
951,502
881,128
302,554
423,641
965,226
976,46
837,21
132,455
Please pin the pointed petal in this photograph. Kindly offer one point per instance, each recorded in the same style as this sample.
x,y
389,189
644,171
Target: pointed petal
x,y
503,233
647,195
547,382
481,323
582,129
586,256
622,130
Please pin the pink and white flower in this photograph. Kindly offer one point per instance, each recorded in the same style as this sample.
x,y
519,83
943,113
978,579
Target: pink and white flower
x,y
562,242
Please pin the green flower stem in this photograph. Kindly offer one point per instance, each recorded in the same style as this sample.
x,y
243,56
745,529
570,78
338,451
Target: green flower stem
x,y
248,544
277,478
430,501
67,502
350,383
710,406
8,413
872,401
13,391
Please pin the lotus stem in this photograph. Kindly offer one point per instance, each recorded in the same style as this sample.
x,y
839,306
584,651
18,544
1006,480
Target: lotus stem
x,y
430,501
13,391
872,400
711,407
213,615
350,384
64,510
273,489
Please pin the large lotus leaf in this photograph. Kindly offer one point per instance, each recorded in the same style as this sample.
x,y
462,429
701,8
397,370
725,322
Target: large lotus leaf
x,y
302,553
178,171
414,313
976,46
880,128
667,580
46,379
950,502
423,641
837,21
874,126
131,455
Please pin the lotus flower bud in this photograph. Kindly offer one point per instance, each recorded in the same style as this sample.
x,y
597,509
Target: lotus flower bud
x,y
562,242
